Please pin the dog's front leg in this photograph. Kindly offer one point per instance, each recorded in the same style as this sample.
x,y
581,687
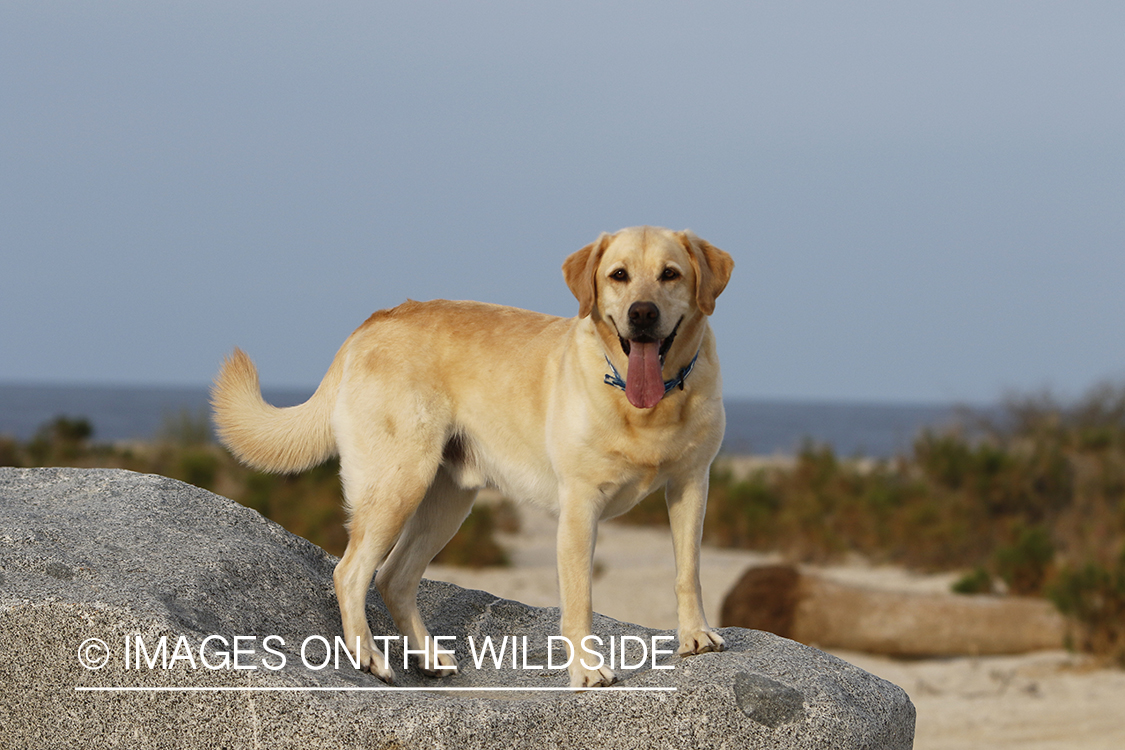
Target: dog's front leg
x,y
578,528
687,502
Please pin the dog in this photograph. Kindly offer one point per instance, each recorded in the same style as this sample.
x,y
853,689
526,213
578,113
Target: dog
x,y
429,402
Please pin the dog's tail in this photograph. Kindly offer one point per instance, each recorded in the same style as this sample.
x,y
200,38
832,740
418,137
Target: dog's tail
x,y
266,437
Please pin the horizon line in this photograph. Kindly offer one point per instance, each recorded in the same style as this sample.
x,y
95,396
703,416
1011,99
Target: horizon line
x,y
806,400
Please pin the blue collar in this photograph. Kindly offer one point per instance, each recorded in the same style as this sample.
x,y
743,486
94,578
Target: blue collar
x,y
616,381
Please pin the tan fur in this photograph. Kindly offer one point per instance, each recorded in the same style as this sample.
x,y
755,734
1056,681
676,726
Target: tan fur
x,y
430,401
291,439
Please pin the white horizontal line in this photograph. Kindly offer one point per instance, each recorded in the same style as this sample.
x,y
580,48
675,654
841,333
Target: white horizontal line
x,y
130,689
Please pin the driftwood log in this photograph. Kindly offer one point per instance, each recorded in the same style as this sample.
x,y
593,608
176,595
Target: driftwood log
x,y
819,612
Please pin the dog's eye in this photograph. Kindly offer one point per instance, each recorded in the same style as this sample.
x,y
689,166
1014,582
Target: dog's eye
x,y
669,274
620,275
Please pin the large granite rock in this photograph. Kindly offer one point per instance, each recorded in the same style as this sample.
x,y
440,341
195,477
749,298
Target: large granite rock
x,y
122,557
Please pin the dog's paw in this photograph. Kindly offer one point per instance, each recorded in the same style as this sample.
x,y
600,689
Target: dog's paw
x,y
700,641
372,660
446,665
581,677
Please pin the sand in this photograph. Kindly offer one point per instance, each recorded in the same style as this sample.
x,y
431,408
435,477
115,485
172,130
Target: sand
x,y
1048,700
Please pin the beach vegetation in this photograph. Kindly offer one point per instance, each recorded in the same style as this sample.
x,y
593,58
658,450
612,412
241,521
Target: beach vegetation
x,y
1092,595
1029,499
308,504
976,581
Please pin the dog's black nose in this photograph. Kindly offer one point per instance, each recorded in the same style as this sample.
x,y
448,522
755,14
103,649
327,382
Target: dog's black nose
x,y
643,315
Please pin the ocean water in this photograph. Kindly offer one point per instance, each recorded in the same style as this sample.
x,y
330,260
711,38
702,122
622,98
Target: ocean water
x,y
753,426
766,427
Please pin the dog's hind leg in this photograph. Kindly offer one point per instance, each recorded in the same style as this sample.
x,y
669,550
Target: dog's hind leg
x,y
430,528
382,496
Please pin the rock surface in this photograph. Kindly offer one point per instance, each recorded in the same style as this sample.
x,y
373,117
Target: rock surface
x,y
127,558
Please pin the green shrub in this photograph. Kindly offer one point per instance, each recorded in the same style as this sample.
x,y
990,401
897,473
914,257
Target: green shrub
x,y
652,511
976,581
9,452
60,440
946,459
1025,564
185,428
1093,597
741,513
474,545
198,466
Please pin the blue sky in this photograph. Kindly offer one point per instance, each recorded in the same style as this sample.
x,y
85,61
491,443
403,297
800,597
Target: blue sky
x,y
925,202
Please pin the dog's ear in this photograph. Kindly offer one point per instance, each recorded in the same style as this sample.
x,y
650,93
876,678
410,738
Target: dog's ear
x,y
712,269
579,270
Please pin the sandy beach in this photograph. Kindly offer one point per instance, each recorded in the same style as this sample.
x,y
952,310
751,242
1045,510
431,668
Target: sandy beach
x,y
1048,700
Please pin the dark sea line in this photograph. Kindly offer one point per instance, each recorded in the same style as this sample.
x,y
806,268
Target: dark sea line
x,y
759,426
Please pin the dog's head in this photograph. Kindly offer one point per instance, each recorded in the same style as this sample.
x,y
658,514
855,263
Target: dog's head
x,y
645,287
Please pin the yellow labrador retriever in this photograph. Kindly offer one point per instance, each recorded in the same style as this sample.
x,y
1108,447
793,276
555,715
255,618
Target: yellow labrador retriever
x,y
429,402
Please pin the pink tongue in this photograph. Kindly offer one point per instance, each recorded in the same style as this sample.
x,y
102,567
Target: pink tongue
x,y
644,384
